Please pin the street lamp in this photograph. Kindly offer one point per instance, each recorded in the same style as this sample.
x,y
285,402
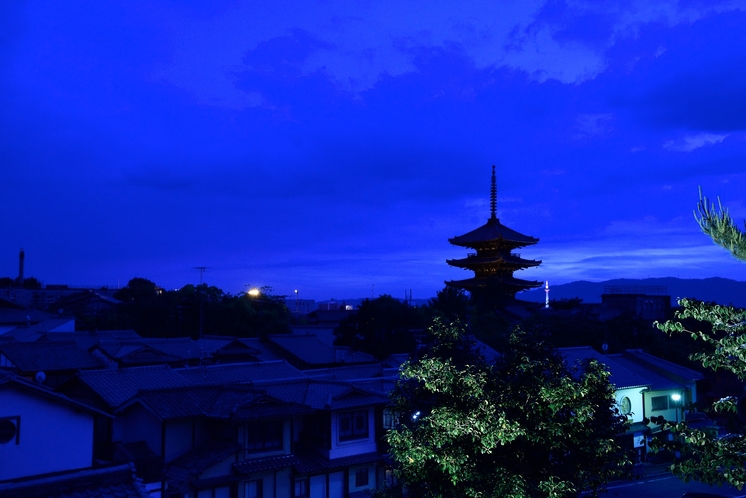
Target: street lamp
x,y
254,292
296,301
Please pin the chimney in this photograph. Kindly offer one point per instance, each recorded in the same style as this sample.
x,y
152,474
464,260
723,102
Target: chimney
x,y
21,257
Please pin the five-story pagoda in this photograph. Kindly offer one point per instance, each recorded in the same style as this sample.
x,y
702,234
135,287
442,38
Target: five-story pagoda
x,y
494,261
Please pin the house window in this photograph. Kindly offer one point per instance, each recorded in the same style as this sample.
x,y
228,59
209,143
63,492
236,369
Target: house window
x,y
253,489
626,406
361,477
10,430
659,403
300,488
390,419
223,492
264,437
353,425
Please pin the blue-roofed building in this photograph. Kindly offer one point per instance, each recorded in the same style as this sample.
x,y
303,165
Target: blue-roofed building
x,y
646,386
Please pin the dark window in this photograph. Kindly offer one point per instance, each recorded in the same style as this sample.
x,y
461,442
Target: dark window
x,y
659,403
361,477
390,419
253,489
353,425
10,430
264,437
300,488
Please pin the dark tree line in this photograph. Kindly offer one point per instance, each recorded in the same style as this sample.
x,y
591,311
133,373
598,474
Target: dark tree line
x,y
193,310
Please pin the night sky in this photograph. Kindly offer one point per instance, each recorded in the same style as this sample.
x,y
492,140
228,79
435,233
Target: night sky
x,y
333,147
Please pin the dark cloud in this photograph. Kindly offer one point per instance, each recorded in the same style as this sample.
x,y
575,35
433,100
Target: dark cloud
x,y
694,80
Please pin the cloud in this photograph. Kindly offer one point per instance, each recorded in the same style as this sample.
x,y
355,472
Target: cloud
x,y
357,45
693,142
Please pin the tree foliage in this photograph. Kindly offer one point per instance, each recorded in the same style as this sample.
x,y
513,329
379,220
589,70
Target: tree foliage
x,y
154,312
717,224
527,426
381,326
721,333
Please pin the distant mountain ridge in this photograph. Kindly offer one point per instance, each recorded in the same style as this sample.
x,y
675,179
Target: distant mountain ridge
x,y
720,290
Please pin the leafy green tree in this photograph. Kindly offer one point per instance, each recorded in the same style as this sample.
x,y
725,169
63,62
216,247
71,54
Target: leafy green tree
x,y
527,426
722,332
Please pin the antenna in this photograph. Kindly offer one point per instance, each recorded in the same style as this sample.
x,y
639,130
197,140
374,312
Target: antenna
x,y
493,195
201,272
546,289
201,301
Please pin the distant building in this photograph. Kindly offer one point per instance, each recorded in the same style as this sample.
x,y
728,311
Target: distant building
x,y
647,302
494,261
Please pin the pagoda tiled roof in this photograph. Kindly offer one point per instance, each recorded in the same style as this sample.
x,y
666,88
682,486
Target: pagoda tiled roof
x,y
479,261
497,280
493,230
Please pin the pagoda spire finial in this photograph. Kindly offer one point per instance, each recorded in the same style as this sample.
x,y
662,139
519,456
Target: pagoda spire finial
x,y
493,195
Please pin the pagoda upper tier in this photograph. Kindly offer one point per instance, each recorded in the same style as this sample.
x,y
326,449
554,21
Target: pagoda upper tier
x,y
494,261
493,235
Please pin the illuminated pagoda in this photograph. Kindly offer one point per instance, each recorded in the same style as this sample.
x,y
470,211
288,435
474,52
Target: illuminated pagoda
x,y
494,261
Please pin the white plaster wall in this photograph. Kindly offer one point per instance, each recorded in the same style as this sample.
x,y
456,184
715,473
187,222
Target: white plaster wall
x,y
53,436
337,485
636,401
317,486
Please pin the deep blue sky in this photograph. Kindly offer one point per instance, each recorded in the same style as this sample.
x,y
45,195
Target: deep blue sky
x,y
333,147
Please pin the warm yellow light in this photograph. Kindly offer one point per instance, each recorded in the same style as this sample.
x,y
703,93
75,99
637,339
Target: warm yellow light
x,y
254,292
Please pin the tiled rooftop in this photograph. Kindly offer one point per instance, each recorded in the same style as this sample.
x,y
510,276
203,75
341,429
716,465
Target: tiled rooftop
x,y
240,373
111,482
312,462
622,376
321,394
116,387
48,356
